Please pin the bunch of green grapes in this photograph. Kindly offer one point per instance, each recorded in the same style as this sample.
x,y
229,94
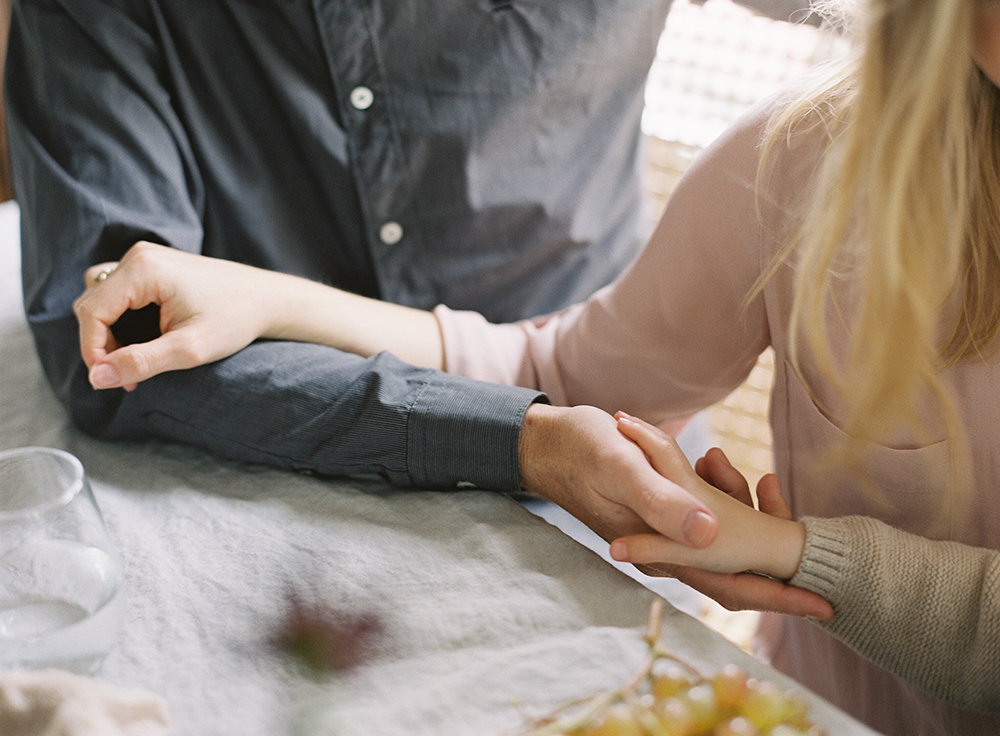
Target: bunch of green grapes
x,y
669,697
681,703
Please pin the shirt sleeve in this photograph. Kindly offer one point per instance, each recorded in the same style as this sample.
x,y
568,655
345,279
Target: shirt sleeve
x,y
90,184
673,334
927,611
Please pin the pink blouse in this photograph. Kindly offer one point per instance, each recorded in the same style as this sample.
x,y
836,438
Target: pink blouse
x,y
673,336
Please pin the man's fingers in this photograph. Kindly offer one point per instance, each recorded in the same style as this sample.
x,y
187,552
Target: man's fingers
x,y
747,591
734,591
769,497
719,472
675,512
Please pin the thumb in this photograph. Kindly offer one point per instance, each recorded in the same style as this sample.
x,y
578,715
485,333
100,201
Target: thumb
x,y
128,366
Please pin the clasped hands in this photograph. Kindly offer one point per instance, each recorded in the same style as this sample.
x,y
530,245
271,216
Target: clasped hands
x,y
622,477
632,484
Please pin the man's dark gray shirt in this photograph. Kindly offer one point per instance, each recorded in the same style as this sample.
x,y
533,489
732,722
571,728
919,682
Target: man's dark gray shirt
x,y
484,154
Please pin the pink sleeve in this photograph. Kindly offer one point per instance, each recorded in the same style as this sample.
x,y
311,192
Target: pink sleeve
x,y
478,349
512,354
670,336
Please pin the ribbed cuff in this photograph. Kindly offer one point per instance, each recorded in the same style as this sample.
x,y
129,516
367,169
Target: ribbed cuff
x,y
824,558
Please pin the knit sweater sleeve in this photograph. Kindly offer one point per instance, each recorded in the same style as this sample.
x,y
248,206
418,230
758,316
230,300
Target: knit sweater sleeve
x,y
925,610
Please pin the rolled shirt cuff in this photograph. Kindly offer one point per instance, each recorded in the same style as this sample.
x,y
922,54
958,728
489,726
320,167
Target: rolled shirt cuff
x,y
464,433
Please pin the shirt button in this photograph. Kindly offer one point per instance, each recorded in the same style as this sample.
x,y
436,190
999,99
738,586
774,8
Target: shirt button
x,y
362,98
391,233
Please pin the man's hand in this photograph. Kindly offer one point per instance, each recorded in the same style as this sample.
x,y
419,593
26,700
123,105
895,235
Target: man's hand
x,y
577,458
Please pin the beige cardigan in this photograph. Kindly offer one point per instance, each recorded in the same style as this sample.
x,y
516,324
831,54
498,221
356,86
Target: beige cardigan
x,y
671,337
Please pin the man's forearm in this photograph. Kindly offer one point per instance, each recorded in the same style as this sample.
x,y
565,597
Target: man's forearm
x,y
310,407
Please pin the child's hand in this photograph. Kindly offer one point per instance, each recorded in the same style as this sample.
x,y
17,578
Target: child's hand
x,y
750,544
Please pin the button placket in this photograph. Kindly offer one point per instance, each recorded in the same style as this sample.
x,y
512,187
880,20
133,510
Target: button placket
x,y
362,98
375,159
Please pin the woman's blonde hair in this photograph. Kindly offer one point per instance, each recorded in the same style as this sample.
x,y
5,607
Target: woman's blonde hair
x,y
905,204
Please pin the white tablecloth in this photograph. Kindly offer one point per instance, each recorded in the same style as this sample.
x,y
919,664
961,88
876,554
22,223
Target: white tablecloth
x,y
489,613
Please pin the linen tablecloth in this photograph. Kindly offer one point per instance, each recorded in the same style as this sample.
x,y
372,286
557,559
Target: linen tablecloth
x,y
488,614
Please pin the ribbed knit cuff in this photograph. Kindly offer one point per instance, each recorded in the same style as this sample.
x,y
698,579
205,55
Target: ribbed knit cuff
x,y
824,558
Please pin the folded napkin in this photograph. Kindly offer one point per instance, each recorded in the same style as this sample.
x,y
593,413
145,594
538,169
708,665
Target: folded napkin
x,y
57,703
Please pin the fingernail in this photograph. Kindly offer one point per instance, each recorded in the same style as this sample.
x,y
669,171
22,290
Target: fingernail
x,y
619,551
697,526
623,417
104,376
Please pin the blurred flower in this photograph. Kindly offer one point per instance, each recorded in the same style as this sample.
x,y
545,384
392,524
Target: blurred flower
x,y
326,640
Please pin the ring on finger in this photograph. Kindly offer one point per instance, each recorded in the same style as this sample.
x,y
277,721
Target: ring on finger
x,y
103,275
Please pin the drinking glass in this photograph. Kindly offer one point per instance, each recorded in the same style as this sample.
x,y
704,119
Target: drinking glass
x,y
61,585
